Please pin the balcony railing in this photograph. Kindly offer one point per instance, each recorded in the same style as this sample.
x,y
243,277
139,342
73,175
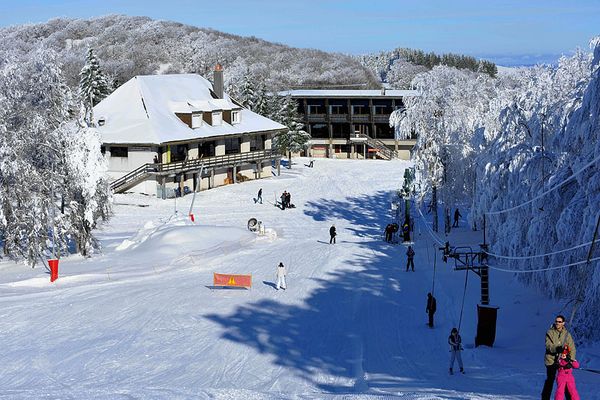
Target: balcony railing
x,y
161,169
316,117
360,117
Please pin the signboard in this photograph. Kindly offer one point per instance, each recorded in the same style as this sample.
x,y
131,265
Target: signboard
x,y
232,280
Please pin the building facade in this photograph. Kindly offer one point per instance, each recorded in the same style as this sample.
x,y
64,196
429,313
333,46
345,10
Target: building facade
x,y
162,134
352,123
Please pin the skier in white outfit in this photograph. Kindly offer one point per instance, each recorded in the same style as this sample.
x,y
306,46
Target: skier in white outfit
x,y
281,276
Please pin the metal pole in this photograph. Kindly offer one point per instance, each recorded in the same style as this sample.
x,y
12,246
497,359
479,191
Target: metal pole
x,y
484,230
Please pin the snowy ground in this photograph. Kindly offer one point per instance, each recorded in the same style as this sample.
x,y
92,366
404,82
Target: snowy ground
x,y
141,321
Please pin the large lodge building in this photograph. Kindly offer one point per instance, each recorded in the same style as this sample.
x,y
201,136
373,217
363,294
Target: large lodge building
x,y
352,123
163,133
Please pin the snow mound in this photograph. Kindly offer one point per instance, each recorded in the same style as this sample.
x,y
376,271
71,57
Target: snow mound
x,y
179,237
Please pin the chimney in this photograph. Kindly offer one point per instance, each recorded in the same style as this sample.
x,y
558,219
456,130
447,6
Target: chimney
x,y
218,81
383,90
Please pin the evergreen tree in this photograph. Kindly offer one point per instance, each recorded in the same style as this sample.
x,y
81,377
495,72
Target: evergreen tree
x,y
262,101
93,86
295,139
248,92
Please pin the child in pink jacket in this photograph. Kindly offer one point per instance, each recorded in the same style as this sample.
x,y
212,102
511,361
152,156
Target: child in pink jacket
x,y
564,376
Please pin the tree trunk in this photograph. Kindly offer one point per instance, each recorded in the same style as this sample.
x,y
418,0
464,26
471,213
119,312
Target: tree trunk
x,y
434,208
289,159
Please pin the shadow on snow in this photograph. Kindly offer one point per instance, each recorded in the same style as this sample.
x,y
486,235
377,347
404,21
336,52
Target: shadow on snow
x,y
350,326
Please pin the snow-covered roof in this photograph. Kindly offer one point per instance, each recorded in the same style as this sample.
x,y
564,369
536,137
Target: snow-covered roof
x,y
142,111
349,93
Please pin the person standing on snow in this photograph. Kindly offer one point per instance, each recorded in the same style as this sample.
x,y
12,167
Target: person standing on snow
x,y
410,254
259,197
283,198
388,233
281,273
557,337
431,308
332,234
455,342
457,215
564,376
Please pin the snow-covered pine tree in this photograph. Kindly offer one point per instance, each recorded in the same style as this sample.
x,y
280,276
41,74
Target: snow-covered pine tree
x,y
295,139
263,102
93,86
247,95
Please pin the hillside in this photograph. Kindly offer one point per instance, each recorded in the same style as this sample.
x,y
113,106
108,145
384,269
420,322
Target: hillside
x,y
129,46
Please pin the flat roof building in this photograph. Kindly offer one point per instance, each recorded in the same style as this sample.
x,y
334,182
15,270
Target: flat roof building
x,y
352,123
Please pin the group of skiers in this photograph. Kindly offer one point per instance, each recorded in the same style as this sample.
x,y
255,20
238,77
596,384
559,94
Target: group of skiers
x,y
286,199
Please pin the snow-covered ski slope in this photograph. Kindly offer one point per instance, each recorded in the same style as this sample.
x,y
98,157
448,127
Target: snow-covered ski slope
x,y
141,321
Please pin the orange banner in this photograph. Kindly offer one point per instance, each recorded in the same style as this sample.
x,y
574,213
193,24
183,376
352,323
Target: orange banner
x,y
232,280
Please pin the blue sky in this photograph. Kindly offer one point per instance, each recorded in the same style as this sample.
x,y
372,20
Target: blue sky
x,y
508,32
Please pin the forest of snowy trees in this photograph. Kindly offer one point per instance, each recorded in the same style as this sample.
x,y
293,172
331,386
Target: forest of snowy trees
x,y
54,188
130,46
400,66
492,144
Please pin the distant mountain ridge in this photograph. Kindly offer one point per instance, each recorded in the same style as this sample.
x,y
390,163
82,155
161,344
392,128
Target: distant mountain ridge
x,y
129,46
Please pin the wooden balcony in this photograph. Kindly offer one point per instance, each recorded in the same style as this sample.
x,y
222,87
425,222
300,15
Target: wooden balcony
x,y
360,118
316,117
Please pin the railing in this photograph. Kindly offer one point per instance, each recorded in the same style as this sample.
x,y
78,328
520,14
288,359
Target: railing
x,y
360,118
228,160
338,117
382,150
316,117
378,119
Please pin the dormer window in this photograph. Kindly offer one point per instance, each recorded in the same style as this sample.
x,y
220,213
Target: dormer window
x,y
101,121
236,117
217,118
196,120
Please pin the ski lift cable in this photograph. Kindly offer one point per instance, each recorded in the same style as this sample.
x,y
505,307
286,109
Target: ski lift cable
x,y
523,271
538,255
547,191
462,307
430,231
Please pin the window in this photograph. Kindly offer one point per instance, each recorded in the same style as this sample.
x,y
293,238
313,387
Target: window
x,y
103,150
101,121
232,145
319,131
179,152
118,151
256,143
217,118
207,149
236,117
340,131
360,106
196,120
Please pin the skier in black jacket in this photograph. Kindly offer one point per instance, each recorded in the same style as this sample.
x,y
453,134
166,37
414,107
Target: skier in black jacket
x,y
431,308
